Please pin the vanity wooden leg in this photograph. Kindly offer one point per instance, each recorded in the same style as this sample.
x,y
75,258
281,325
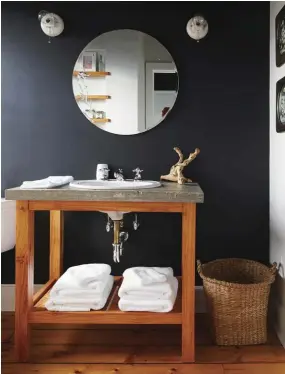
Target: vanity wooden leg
x,y
24,278
56,244
188,282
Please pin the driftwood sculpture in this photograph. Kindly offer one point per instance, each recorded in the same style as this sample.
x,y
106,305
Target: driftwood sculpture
x,y
176,171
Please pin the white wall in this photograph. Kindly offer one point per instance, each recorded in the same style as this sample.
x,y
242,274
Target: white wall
x,y
154,51
141,126
277,180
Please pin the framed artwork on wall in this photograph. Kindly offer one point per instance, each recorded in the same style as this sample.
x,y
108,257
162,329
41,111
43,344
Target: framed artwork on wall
x,y
88,60
280,37
280,105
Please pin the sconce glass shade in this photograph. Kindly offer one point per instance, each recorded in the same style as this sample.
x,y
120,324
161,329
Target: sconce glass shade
x,y
51,23
197,27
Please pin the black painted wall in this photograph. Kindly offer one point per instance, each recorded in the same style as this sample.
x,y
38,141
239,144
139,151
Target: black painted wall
x,y
222,107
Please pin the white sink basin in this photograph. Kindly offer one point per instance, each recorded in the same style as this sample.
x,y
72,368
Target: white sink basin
x,y
94,184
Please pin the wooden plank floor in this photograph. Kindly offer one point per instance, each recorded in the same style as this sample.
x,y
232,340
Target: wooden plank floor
x,y
147,349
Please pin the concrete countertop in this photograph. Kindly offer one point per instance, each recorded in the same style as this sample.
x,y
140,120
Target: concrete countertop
x,y
168,192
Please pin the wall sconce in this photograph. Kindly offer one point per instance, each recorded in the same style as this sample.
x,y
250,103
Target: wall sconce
x,y
197,27
51,24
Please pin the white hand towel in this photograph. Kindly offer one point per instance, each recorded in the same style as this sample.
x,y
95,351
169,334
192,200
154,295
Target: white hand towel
x,y
160,305
155,291
80,295
141,276
79,279
49,182
81,303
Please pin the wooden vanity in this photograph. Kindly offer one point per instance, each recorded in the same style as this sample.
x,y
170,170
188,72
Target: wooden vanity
x,y
29,309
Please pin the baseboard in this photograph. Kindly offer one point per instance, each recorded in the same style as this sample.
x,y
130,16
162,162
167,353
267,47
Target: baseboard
x,y
280,323
277,307
8,298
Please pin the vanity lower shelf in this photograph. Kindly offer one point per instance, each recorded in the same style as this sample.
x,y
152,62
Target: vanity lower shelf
x,y
111,314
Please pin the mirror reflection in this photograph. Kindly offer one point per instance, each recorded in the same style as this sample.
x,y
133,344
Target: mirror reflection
x,y
125,82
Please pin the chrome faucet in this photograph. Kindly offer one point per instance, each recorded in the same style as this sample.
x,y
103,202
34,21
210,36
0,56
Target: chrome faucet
x,y
119,175
138,176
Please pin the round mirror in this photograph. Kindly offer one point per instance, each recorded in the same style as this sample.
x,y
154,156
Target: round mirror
x,y
125,82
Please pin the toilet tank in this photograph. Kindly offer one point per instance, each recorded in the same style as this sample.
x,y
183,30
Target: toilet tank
x,y
8,224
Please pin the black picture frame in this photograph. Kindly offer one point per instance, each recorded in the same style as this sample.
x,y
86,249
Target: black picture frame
x,y
279,25
280,127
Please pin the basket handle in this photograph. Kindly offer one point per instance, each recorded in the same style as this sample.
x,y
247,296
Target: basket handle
x,y
199,267
273,268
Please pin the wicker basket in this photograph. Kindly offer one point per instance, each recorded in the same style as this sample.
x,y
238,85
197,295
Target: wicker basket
x,y
237,293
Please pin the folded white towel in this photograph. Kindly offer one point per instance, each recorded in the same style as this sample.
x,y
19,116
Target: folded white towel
x,y
127,304
79,302
89,274
129,289
141,276
77,280
49,182
63,308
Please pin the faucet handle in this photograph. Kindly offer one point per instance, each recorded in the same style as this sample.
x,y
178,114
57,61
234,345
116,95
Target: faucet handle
x,y
119,175
138,175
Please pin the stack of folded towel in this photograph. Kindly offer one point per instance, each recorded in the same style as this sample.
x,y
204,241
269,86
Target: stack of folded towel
x,y
148,289
81,288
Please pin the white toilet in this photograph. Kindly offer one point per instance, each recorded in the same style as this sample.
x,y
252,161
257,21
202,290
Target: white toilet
x,y
8,224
